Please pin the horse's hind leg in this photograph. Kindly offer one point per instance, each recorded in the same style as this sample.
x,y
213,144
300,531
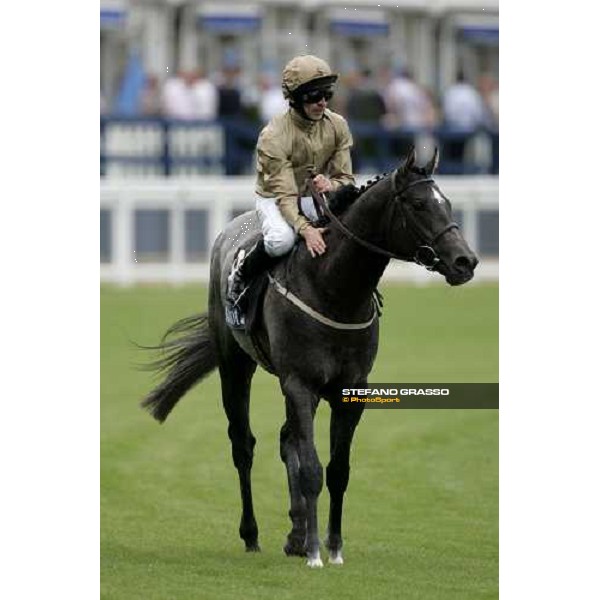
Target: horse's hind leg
x,y
236,376
344,419
296,539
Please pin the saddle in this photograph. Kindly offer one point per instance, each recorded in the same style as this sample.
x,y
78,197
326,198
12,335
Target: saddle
x,y
249,317
254,296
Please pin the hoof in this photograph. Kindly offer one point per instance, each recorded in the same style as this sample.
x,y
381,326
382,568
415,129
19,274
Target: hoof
x,y
253,547
335,558
294,549
315,563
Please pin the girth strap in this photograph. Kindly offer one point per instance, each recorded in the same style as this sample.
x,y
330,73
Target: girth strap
x,y
317,316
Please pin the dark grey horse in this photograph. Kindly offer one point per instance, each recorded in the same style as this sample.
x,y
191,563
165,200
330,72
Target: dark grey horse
x,y
318,334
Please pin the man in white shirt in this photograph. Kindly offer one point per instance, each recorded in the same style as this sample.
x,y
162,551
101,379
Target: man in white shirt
x,y
408,103
178,102
272,102
463,109
205,97
190,95
463,106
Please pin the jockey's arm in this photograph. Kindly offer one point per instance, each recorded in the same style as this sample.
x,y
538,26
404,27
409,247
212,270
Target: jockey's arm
x,y
276,180
339,168
277,176
288,206
312,236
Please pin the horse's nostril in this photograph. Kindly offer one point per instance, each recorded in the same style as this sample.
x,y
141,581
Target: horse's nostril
x,y
465,263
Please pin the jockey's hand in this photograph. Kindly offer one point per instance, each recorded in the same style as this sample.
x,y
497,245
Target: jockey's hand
x,y
322,184
314,240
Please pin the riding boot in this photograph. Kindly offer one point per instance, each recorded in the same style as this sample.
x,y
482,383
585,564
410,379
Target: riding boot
x,y
246,267
257,261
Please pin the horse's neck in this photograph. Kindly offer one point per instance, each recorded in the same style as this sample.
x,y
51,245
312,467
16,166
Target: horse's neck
x,y
351,268
345,277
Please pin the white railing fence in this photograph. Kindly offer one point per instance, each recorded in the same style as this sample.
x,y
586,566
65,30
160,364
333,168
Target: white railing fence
x,y
220,197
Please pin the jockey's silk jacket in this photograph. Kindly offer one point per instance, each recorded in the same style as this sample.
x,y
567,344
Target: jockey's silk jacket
x,y
291,148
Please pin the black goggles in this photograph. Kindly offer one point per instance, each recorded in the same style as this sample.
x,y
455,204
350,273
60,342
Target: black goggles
x,y
316,96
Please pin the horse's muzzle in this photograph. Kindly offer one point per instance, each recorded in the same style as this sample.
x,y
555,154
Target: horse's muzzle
x,y
462,269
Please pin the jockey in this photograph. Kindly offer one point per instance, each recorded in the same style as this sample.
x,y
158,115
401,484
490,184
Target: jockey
x,y
308,139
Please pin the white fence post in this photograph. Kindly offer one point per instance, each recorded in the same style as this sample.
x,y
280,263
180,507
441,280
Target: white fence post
x,y
469,226
177,237
123,234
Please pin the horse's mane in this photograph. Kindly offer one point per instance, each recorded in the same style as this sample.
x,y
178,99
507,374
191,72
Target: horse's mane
x,y
341,199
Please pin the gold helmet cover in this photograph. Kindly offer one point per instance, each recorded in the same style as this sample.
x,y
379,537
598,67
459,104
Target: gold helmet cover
x,y
304,73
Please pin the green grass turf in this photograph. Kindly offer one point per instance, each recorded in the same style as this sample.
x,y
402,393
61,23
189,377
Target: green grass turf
x,y
421,512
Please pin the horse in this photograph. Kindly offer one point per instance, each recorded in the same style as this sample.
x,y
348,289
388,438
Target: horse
x,y
318,332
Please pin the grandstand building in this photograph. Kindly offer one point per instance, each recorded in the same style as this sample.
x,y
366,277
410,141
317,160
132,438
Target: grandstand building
x,y
434,38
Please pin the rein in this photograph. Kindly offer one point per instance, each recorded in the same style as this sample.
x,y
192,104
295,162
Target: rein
x,y
424,255
318,198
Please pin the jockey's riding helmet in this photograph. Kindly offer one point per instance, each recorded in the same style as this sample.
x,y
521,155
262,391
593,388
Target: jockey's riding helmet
x,y
305,74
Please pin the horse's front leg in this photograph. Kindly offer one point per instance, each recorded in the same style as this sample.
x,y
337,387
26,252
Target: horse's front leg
x,y
344,419
301,404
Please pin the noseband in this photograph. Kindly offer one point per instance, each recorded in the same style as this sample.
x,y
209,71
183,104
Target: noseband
x,y
425,255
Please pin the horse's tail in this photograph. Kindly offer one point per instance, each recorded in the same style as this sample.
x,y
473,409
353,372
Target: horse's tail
x,y
188,356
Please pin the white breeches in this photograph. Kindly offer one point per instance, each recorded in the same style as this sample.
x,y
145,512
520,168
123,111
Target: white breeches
x,y
279,237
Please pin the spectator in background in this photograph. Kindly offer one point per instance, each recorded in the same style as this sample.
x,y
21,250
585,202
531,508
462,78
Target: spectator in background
x,y
103,104
463,109
190,95
151,104
488,88
205,96
177,99
463,106
339,102
272,102
364,102
410,107
408,104
230,97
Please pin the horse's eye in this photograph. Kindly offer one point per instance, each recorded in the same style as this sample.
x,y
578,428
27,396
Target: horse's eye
x,y
419,204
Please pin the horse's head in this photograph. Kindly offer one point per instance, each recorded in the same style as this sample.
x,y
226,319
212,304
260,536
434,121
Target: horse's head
x,y
421,226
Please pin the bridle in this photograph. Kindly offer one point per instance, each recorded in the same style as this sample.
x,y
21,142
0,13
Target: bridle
x,y
425,254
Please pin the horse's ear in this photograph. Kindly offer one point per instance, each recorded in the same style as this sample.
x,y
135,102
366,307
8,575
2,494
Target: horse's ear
x,y
432,165
411,158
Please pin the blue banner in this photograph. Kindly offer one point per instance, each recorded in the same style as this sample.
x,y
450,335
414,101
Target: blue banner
x,y
112,17
359,28
230,24
481,35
